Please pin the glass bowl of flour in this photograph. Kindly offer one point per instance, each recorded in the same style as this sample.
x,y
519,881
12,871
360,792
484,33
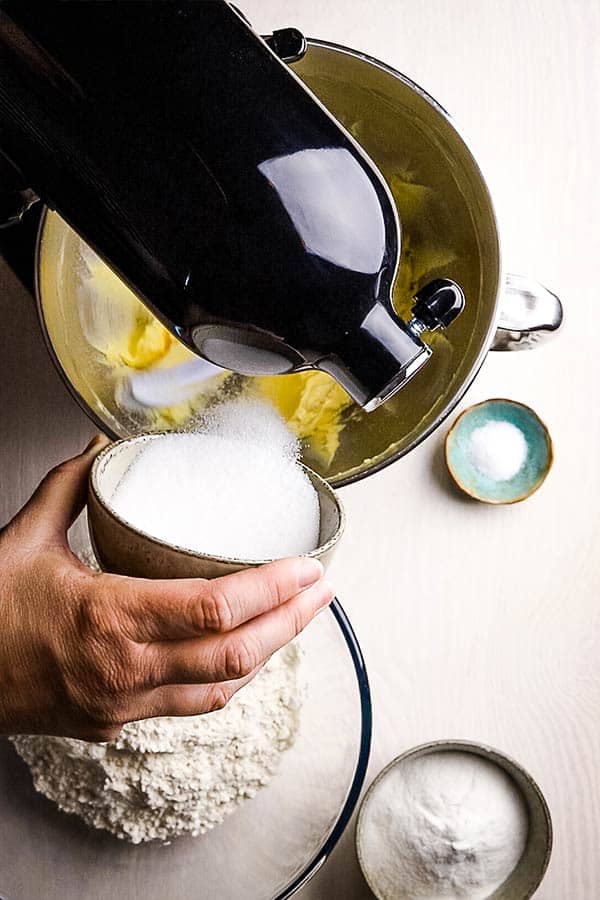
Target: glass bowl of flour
x,y
271,786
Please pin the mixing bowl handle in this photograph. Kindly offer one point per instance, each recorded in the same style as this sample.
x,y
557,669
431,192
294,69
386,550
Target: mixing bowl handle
x,y
529,314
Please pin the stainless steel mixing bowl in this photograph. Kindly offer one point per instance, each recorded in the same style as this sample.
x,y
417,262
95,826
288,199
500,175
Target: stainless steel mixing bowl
x,y
449,227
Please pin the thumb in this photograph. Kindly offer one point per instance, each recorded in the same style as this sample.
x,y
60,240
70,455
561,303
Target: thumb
x,y
60,497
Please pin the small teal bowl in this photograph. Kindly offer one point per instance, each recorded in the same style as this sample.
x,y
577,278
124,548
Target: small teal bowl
x,y
533,472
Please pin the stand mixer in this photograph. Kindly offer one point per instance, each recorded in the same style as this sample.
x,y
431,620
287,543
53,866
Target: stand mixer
x,y
190,157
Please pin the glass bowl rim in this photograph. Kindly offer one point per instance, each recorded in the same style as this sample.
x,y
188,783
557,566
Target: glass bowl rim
x,y
364,750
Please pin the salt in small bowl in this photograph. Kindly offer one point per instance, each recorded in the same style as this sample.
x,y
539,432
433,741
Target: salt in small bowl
x,y
529,477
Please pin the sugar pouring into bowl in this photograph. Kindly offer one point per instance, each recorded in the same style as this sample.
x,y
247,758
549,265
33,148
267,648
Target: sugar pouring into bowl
x,y
230,495
333,233
448,229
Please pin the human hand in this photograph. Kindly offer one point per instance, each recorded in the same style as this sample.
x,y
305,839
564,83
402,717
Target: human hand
x,y
83,652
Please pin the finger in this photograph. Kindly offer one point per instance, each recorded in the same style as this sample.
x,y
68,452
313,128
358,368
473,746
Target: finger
x,y
60,497
217,658
190,699
189,607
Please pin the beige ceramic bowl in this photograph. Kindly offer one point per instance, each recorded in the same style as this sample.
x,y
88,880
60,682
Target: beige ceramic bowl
x,y
529,871
124,550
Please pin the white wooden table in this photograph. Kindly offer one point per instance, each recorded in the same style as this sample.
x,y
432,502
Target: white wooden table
x,y
495,634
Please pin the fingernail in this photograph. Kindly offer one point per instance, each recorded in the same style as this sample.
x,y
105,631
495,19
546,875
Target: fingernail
x,y
325,595
310,571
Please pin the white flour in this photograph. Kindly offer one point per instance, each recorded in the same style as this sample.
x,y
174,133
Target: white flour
x,y
445,826
166,777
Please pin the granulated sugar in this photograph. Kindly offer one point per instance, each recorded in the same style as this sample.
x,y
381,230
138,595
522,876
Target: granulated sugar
x,y
232,488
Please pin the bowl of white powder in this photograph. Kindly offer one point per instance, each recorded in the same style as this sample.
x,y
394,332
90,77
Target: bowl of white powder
x,y
499,451
454,820
228,495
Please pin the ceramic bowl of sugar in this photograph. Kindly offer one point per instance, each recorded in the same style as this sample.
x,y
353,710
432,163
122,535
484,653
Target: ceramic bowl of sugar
x,y
454,819
231,495
499,451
